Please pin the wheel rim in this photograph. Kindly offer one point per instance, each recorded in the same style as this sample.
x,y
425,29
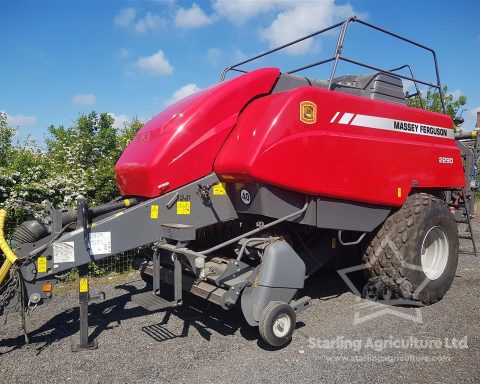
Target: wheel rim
x,y
282,325
434,253
386,293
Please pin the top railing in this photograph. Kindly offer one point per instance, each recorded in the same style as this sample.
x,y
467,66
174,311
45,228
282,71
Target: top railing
x,y
337,57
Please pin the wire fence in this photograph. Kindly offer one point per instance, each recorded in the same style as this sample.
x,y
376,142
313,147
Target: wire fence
x,y
112,265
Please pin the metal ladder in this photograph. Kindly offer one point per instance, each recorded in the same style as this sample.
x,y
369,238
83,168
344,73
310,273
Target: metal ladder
x,y
152,301
462,203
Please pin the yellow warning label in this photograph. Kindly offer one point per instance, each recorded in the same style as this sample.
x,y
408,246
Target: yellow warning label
x,y
154,211
219,189
183,208
83,285
42,264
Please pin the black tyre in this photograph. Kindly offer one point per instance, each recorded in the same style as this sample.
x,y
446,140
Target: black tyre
x,y
415,252
277,323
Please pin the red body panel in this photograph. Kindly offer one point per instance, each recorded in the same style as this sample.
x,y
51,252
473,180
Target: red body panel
x,y
270,144
180,144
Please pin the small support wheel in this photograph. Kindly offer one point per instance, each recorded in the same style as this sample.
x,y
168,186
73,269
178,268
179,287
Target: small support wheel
x,y
277,323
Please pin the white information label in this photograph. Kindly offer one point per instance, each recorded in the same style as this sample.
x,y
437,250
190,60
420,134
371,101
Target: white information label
x,y
64,252
101,242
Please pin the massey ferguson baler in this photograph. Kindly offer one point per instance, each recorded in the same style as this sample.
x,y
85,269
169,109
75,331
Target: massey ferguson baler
x,y
240,192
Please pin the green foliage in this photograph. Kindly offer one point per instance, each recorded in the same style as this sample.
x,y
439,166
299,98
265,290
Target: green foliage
x,y
96,270
77,160
431,101
6,135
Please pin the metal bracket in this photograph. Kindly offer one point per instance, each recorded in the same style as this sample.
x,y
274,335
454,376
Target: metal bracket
x,y
172,201
82,220
234,269
261,244
84,298
301,304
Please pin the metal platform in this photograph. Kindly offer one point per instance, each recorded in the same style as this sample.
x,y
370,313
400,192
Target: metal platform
x,y
152,302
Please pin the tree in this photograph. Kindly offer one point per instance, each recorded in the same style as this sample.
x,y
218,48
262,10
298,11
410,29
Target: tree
x,y
431,102
84,156
6,135
77,160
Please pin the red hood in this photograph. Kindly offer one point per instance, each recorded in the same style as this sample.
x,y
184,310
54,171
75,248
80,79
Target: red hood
x,y
180,144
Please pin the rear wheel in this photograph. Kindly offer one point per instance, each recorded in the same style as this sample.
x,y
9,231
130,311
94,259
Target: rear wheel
x,y
277,323
415,252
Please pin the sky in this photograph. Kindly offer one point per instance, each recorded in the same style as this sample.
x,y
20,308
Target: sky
x,y
59,59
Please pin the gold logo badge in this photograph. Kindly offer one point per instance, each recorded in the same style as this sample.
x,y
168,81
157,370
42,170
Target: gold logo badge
x,y
308,112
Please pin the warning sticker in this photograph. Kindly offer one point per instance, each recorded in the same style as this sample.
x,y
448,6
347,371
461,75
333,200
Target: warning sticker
x,y
183,208
83,285
100,242
154,211
219,189
42,264
64,252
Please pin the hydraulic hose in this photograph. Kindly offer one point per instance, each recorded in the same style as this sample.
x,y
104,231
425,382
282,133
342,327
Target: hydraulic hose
x,y
10,257
466,135
113,206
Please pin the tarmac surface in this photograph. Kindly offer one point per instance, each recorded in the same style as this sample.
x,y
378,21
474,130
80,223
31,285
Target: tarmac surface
x,y
341,338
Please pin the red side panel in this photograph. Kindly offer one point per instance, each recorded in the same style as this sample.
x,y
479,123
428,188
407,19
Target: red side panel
x,y
358,149
180,144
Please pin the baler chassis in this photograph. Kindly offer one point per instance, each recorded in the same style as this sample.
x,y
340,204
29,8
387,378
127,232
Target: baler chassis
x,y
238,239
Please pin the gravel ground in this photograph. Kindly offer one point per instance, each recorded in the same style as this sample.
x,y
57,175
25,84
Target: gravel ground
x,y
202,343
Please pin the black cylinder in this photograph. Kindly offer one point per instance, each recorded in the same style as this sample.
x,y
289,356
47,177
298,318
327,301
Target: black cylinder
x,y
28,232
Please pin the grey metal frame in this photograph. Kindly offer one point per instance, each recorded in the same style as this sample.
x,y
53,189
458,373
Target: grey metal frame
x,y
338,56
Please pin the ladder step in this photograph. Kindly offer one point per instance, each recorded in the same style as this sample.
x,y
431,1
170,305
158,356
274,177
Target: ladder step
x,y
462,216
152,302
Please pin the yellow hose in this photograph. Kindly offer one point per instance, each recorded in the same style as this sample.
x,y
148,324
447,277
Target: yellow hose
x,y
4,270
11,258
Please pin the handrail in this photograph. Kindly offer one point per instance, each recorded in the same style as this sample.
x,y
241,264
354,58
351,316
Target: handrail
x,y
387,72
414,83
338,56
278,49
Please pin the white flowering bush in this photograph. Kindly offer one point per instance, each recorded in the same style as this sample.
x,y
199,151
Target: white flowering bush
x,y
76,160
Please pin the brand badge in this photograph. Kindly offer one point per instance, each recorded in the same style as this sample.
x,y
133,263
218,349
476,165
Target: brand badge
x,y
308,112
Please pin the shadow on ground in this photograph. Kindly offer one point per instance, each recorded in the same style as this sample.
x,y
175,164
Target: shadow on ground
x,y
196,314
